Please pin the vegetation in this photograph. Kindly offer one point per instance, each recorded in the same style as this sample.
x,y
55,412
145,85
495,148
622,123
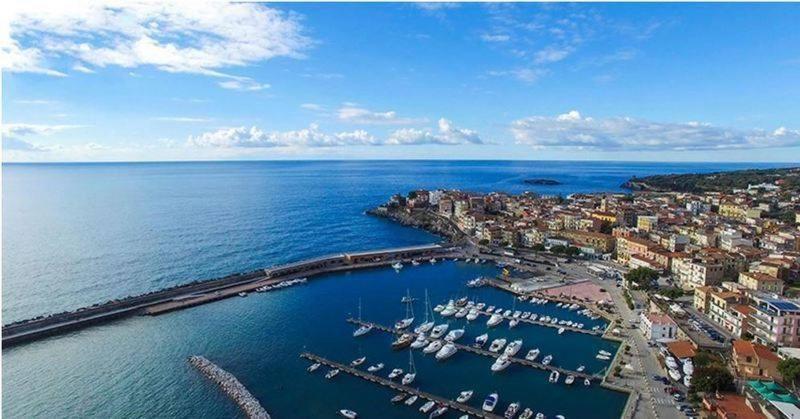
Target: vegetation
x,y
539,247
711,378
717,182
672,293
628,300
641,278
790,371
606,227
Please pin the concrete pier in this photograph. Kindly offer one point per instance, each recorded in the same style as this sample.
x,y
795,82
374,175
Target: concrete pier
x,y
385,382
231,386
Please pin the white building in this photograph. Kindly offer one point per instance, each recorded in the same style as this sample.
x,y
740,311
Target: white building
x,y
658,326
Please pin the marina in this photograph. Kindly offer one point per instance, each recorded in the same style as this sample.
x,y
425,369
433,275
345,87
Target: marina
x,y
452,404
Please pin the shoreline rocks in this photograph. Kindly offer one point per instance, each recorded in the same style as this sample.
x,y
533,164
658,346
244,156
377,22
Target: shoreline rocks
x,y
231,386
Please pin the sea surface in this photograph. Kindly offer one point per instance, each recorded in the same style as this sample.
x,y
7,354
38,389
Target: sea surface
x,y
78,234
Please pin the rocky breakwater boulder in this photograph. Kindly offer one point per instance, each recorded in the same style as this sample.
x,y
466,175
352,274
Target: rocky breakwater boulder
x,y
231,386
419,218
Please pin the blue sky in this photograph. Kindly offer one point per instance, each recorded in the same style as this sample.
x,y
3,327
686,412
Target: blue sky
x,y
685,82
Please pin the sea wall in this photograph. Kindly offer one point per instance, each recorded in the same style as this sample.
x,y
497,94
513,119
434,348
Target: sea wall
x,y
231,386
423,219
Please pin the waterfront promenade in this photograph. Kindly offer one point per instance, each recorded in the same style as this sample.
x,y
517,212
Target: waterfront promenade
x,y
201,292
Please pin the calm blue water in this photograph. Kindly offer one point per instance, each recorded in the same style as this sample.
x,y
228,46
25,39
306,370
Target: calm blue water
x,y
76,234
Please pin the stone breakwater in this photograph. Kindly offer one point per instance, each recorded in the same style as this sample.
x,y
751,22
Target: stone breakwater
x,y
231,386
422,219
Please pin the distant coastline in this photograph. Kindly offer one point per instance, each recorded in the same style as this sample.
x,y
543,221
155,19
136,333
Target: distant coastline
x,y
542,182
789,178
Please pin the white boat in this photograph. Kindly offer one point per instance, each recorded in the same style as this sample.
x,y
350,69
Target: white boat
x,y
581,368
425,408
490,402
606,353
688,368
513,323
540,415
424,327
513,347
602,357
419,342
454,335
671,364
511,410
412,370
349,414
446,352
464,396
480,306
411,400
534,316
498,310
532,354
526,315
490,309
547,360
433,260
494,320
674,374
364,328
404,323
472,315
570,379
358,361
587,382
395,373
560,330
433,347
527,413
441,410
481,340
242,294
449,311
517,314
462,313
438,308
554,377
374,368
687,380
507,313
415,262
397,266
408,378
501,363
439,330
560,305
497,345
314,367
332,373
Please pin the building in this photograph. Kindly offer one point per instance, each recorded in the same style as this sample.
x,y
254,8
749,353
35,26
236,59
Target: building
x,y
647,222
730,406
699,271
774,321
603,243
761,282
754,361
701,298
656,326
719,304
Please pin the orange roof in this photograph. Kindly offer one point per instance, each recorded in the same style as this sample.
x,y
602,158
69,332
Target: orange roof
x,y
744,309
764,353
682,349
743,348
731,405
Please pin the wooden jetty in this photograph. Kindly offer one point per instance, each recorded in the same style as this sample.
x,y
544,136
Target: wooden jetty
x,y
486,353
452,404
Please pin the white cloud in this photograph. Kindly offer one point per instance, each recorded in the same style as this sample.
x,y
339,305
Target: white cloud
x,y
25,130
353,114
436,6
495,37
243,137
552,54
312,107
82,69
243,84
35,101
572,130
201,37
447,134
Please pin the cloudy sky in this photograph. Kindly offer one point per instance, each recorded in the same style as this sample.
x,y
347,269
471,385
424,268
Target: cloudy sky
x,y
137,81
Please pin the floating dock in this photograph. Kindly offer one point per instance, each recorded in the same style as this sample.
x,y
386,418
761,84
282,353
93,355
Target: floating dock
x,y
548,324
452,404
486,353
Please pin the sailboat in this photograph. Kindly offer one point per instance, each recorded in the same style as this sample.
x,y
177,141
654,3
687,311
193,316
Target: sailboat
x,y
412,371
404,323
365,328
428,324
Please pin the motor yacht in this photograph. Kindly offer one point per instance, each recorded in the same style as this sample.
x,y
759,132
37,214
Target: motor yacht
x,y
411,400
547,360
454,335
446,352
314,367
501,363
462,313
490,402
399,398
332,373
397,266
439,330
433,347
349,414
375,368
494,320
403,341
439,411
513,323
526,414
464,396
473,314
419,342
511,410
427,407
587,382
554,377
481,340
497,345
358,361
581,368
570,379
395,373
532,354
560,330
513,347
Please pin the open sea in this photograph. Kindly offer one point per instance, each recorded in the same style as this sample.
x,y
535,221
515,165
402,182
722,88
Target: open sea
x,y
78,234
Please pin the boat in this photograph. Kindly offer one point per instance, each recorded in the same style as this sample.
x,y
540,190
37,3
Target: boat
x,y
358,361
532,354
494,320
399,398
513,347
419,342
560,330
425,408
440,410
242,294
497,345
473,314
674,374
403,323
570,379
480,306
687,380
513,323
439,330
526,315
397,266
602,352
462,313
403,341
507,313
438,308
671,364
490,402
526,414
448,311
602,357
688,368
560,417
412,371
454,335
461,302
517,314
547,360
411,400
540,415
314,367
511,410
481,340
464,396
554,377
490,309
501,363
581,368
534,316
446,352
428,324
395,373
415,262
349,414
560,305
332,373
374,368
364,328
433,347
587,382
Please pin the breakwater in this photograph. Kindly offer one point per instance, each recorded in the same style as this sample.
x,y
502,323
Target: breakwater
x,y
201,292
231,386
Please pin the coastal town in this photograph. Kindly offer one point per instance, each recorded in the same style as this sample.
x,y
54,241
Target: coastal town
x,y
702,286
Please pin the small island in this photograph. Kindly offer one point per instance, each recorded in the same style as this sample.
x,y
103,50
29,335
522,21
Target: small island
x,y
542,182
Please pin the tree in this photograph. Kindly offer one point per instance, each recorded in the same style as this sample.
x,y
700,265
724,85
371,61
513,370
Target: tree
x,y
558,248
712,378
539,247
790,370
572,251
484,242
642,277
